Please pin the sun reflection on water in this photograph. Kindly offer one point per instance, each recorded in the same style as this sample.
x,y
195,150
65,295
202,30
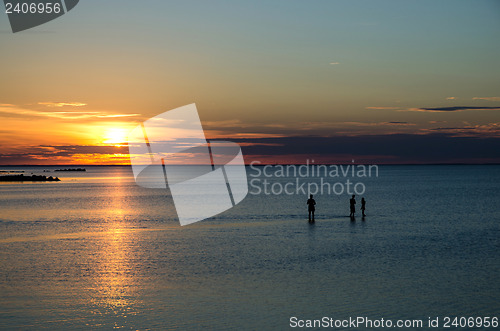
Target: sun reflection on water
x,y
115,276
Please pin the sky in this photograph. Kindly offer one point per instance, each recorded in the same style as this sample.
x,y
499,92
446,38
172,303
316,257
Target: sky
x,y
334,81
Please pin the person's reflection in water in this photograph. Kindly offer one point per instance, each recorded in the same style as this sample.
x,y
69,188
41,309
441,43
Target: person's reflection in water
x,y
311,203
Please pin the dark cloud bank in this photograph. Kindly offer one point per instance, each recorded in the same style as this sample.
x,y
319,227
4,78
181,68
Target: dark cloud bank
x,y
391,148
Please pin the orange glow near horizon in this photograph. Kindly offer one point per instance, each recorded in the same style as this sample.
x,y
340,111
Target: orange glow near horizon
x,y
32,137
78,134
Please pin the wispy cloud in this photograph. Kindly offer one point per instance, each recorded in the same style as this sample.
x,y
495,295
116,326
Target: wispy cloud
x,y
238,129
450,98
450,109
381,108
437,109
333,63
72,154
397,123
376,123
225,124
221,134
436,145
487,98
62,104
480,130
65,115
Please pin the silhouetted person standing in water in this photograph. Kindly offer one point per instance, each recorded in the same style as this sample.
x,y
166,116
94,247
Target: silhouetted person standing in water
x,y
353,205
363,203
311,203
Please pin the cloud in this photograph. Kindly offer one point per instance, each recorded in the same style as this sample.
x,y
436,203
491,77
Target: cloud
x,y
380,108
487,98
375,123
451,109
219,134
438,146
480,130
61,114
450,98
225,124
104,115
442,145
71,154
62,104
237,129
436,109
397,123
469,144
333,63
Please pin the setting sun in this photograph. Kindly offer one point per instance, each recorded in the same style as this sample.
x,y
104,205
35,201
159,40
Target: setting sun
x,y
115,136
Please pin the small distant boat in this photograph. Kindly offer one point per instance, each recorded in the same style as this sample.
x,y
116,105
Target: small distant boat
x,y
23,178
72,169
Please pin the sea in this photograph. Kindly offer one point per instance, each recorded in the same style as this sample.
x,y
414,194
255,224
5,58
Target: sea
x,y
97,251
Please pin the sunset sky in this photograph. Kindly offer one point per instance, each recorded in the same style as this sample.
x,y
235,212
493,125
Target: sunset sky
x,y
374,81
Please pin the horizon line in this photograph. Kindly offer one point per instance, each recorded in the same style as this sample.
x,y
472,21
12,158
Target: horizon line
x,y
258,165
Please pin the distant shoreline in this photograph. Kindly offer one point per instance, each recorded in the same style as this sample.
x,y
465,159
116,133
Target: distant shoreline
x,y
259,165
23,178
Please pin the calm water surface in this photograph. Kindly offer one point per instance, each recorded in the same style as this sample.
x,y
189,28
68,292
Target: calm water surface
x,y
95,250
